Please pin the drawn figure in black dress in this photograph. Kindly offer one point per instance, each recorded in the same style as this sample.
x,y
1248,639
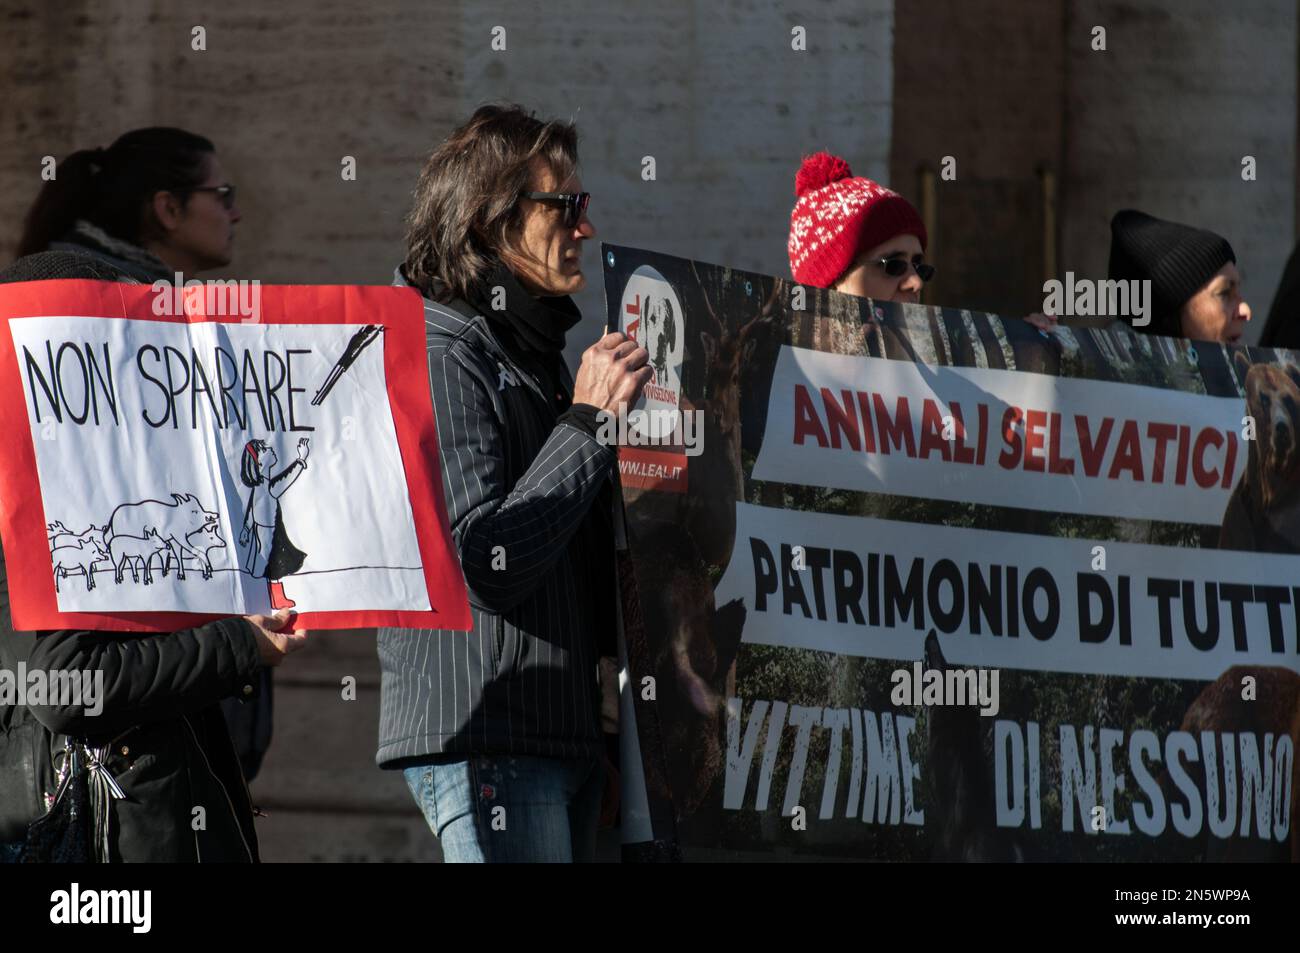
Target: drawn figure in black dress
x,y
271,554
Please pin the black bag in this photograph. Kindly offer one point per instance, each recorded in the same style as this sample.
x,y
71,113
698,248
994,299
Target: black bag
x,y
66,832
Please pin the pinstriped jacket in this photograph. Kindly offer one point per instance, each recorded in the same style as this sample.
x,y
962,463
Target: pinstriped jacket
x,y
519,482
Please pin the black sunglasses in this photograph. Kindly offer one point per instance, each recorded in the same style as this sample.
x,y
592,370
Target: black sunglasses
x,y
575,204
897,267
225,193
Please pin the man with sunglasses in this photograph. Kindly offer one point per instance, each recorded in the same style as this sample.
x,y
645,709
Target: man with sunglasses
x,y
498,730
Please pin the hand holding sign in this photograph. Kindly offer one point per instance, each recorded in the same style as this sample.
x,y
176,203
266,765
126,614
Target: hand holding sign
x,y
612,374
274,645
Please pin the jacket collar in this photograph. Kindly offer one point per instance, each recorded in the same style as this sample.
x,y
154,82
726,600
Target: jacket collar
x,y
498,337
537,324
135,261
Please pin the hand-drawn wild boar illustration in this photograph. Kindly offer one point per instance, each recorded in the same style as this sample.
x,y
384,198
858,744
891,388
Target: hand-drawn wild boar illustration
x,y
126,551
79,556
170,523
201,541
60,535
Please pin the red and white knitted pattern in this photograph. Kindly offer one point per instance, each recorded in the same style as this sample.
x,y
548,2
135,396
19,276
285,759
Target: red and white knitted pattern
x,y
838,215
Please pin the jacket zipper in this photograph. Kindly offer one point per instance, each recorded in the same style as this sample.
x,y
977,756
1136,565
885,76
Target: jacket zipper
x,y
212,774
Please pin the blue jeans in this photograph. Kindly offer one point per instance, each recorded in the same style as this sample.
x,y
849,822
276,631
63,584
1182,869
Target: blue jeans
x,y
511,808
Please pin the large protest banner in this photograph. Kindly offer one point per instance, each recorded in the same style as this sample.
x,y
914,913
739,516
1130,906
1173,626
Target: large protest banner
x,y
170,459
869,513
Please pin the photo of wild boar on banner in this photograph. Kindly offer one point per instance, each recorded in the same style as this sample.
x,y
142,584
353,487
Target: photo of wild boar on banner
x,y
938,585
166,464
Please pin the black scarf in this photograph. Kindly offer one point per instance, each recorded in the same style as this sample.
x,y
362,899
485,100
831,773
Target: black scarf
x,y
539,324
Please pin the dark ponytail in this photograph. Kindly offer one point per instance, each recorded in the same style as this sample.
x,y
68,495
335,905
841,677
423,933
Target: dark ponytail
x,y
61,201
113,188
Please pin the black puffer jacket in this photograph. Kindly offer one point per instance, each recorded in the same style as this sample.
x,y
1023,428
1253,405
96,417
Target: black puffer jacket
x,y
170,750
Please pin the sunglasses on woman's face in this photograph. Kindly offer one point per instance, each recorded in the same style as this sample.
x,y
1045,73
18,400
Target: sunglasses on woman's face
x,y
897,267
574,203
225,193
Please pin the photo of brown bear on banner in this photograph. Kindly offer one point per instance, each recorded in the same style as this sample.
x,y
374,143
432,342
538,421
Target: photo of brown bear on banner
x,y
905,582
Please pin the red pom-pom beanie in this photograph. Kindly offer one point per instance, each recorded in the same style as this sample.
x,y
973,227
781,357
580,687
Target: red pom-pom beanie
x,y
838,215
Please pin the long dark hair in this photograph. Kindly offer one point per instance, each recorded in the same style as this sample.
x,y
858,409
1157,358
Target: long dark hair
x,y
467,197
112,188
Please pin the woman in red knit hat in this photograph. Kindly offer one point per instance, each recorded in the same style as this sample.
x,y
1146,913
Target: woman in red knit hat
x,y
855,236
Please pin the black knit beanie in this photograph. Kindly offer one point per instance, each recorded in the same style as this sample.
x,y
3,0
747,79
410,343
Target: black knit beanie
x,y
1177,259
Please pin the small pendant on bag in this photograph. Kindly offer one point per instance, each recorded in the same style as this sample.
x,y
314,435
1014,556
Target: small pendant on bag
x,y
59,779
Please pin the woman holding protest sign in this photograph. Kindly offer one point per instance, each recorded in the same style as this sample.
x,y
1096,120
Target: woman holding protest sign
x,y
153,204
138,765
156,205
1194,290
855,236
1195,285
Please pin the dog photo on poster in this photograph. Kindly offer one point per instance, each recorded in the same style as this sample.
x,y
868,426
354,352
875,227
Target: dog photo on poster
x,y
939,585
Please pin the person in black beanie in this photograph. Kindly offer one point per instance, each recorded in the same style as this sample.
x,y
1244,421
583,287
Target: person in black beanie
x,y
1195,285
